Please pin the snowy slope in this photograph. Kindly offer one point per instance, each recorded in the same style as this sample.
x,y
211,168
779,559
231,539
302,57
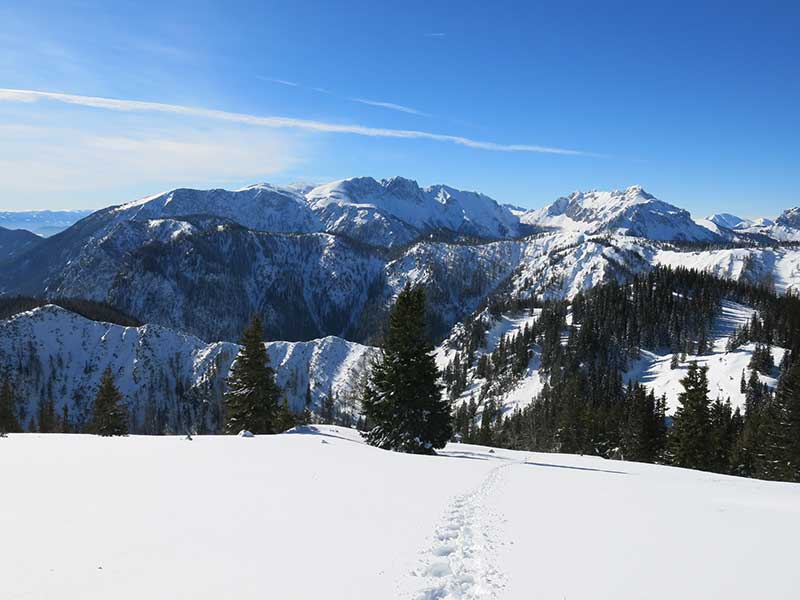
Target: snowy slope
x,y
652,369
785,228
282,517
724,368
776,266
632,212
728,221
261,207
171,381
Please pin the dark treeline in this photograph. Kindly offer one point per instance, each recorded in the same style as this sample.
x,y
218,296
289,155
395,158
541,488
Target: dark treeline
x,y
94,311
583,349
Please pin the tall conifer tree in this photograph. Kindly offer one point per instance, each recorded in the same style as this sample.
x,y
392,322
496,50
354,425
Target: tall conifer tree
x,y
251,401
8,417
109,416
403,400
691,434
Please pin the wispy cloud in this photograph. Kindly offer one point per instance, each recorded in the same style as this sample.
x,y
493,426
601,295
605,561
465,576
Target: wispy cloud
x,y
9,95
435,35
391,106
280,81
377,103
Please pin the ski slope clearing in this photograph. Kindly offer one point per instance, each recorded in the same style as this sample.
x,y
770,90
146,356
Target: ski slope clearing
x,y
724,368
316,514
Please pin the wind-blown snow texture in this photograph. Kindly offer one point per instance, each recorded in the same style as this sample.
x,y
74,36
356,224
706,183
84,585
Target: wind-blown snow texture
x,y
318,514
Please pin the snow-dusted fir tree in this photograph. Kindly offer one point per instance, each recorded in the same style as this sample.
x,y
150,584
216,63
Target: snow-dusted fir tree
x,y
251,402
403,400
109,416
778,456
691,432
8,418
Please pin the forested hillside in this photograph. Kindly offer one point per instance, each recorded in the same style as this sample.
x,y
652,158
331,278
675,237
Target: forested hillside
x,y
587,403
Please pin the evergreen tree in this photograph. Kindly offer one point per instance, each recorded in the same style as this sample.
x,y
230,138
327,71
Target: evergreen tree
x,y
327,412
486,434
251,401
403,399
109,416
284,417
772,453
47,414
722,436
63,425
691,440
780,452
8,417
789,392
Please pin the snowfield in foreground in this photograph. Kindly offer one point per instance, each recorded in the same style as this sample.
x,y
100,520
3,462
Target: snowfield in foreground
x,y
319,515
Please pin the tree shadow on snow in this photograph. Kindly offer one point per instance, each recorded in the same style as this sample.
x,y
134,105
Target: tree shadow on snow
x,y
574,468
470,455
311,430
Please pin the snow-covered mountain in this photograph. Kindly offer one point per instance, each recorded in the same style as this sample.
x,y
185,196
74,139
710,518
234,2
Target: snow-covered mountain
x,y
261,207
15,241
396,211
631,212
384,213
171,381
327,260
729,221
785,228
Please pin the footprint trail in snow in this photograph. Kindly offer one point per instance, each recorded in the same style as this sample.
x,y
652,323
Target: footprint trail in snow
x,y
460,563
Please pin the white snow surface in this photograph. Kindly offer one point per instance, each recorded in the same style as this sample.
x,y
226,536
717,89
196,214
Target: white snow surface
x,y
316,514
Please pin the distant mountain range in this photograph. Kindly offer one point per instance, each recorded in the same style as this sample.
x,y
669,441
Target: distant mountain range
x,y
321,265
42,222
327,260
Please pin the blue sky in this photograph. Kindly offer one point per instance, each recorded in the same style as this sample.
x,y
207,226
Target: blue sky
x,y
696,101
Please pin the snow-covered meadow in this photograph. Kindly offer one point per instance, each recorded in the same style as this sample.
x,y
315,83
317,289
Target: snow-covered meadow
x,y
317,514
